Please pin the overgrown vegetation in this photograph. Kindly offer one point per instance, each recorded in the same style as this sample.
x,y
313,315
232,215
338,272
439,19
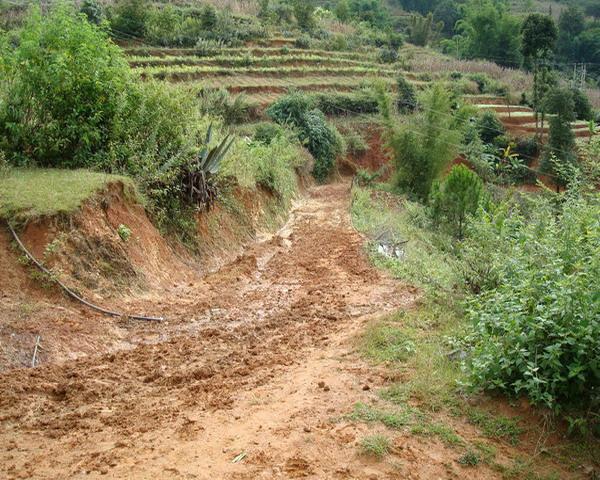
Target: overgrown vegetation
x,y
522,325
68,99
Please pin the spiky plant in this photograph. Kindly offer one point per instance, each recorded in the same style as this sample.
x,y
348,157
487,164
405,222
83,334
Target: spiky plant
x,y
198,177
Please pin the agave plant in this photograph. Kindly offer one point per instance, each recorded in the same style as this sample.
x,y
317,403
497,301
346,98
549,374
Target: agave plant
x,y
199,187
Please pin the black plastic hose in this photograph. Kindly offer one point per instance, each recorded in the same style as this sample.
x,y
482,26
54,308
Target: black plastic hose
x,y
73,294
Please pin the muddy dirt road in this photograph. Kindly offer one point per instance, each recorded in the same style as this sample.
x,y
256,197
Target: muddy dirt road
x,y
256,359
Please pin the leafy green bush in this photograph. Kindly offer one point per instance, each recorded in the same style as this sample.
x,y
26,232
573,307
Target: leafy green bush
x,y
163,26
537,332
361,101
489,126
128,18
67,88
303,42
304,12
388,55
583,107
265,132
93,11
290,109
322,140
456,198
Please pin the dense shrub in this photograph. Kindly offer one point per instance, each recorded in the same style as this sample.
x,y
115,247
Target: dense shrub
x,y
93,11
457,197
128,18
407,98
322,140
67,88
537,332
290,109
302,41
489,126
362,101
388,55
560,158
583,107
304,13
265,132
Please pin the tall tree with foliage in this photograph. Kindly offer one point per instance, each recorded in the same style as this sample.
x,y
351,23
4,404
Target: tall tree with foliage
x,y
539,37
487,30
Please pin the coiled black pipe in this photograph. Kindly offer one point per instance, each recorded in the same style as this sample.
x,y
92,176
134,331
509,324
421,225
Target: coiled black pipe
x,y
73,294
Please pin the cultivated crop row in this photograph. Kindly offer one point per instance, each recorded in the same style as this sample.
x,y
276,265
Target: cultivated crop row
x,y
245,61
183,73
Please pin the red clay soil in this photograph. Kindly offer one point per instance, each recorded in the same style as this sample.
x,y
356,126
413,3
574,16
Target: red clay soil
x,y
257,361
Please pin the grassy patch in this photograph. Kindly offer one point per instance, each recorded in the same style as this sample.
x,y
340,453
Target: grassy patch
x,y
495,426
26,193
375,445
392,419
434,429
470,459
385,342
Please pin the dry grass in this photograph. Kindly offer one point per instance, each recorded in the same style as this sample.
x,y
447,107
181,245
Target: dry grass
x,y
239,7
594,96
429,62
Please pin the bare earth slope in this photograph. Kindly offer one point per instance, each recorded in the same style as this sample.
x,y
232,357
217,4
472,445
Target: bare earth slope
x,y
235,369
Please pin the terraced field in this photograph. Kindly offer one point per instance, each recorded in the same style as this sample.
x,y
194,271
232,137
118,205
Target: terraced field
x,y
265,72
520,120
262,72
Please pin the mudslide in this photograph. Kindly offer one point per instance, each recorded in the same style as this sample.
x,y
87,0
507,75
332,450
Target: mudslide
x,y
249,378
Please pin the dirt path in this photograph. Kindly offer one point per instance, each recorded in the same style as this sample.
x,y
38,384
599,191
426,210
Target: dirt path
x,y
236,369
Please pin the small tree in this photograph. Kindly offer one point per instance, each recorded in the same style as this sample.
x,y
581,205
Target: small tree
x,y
130,17
342,10
423,30
539,36
489,127
304,12
453,200
560,154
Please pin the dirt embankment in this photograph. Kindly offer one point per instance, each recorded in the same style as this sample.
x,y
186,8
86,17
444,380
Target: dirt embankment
x,y
91,252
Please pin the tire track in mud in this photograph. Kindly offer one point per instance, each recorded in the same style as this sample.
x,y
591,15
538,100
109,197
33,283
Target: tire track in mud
x,y
235,331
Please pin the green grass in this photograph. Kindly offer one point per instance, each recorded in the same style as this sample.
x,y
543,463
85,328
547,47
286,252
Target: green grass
x,y
495,426
387,343
375,445
27,193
